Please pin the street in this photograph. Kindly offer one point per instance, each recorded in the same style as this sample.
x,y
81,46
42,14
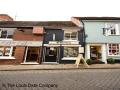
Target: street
x,y
79,79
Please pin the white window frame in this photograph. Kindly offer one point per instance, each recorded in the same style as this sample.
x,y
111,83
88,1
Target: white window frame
x,y
108,29
70,39
70,58
108,50
10,54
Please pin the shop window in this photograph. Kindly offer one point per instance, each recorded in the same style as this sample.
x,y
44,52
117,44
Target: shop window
x,y
113,49
70,36
13,52
71,51
5,51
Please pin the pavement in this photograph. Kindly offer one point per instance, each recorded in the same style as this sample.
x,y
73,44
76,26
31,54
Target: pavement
x,y
57,67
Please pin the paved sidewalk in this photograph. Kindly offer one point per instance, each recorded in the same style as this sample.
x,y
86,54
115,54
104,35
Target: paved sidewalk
x,y
57,67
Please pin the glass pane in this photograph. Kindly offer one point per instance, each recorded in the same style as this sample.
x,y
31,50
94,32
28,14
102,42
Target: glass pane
x,y
114,50
74,35
4,36
1,53
113,31
7,51
4,32
13,52
70,51
9,36
67,36
10,33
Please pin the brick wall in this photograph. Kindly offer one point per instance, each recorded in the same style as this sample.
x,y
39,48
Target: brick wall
x,y
27,35
19,54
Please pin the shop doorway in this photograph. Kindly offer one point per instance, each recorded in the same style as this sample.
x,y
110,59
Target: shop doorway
x,y
95,52
32,54
51,54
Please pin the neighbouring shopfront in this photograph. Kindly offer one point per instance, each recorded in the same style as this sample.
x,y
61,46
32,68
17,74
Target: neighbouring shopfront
x,y
62,45
20,52
20,44
96,52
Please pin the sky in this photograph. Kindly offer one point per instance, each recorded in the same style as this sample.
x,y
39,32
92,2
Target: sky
x,y
58,10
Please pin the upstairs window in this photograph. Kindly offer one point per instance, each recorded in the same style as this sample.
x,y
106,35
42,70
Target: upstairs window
x,y
70,36
111,29
6,33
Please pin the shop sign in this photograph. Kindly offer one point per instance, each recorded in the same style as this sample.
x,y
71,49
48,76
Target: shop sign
x,y
81,49
34,43
20,43
64,42
70,42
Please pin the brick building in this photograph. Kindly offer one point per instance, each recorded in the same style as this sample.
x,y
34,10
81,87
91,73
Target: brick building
x,y
20,42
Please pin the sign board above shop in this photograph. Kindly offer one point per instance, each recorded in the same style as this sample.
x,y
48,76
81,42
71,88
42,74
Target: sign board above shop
x,y
20,43
64,42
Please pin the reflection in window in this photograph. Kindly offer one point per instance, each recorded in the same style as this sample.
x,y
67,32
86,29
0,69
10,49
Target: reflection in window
x,y
113,49
5,51
70,51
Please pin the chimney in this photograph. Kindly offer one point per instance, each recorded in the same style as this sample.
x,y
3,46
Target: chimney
x,y
5,17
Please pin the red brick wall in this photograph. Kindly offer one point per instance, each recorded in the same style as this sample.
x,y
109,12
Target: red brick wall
x,y
19,54
7,61
27,35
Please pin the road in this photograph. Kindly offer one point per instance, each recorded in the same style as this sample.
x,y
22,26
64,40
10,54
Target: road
x,y
83,79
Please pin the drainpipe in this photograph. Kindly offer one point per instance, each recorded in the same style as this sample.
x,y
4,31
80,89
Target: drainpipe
x,y
84,37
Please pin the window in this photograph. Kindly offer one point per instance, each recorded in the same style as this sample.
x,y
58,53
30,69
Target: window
x,y
53,36
70,51
113,49
111,29
71,36
5,51
6,33
13,52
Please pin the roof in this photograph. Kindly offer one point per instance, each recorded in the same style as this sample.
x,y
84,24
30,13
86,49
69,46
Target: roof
x,y
37,23
98,18
5,17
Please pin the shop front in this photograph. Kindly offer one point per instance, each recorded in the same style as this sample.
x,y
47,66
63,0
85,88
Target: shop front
x,y
51,53
61,52
20,52
96,52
